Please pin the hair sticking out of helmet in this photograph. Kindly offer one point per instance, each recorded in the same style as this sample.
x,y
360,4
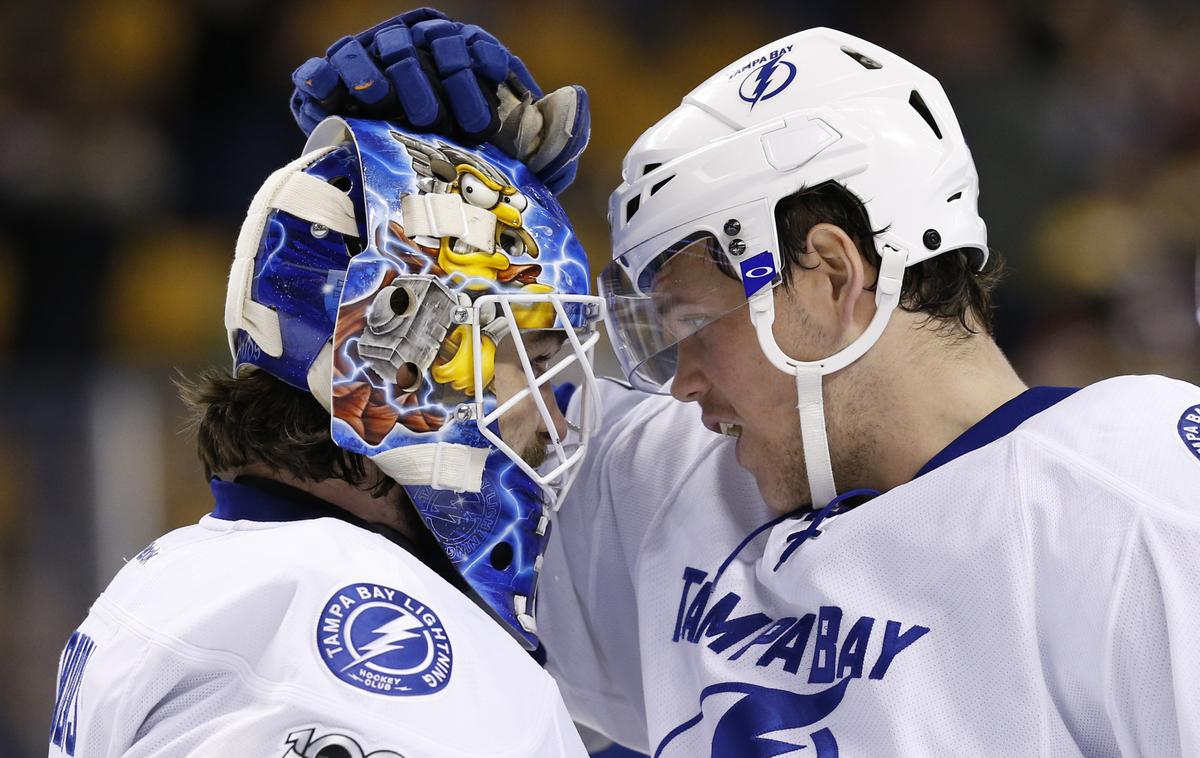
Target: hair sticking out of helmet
x,y
428,294
813,107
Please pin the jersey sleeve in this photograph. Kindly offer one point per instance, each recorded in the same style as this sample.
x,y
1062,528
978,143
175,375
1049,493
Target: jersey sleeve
x,y
1114,531
587,608
1152,660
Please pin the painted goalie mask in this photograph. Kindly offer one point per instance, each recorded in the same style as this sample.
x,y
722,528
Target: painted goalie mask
x,y
427,294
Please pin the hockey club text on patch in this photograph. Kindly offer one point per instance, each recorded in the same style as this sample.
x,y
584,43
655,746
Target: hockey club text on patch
x,y
381,640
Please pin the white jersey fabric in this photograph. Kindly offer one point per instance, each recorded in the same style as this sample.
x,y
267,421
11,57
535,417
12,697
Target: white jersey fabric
x,y
289,637
1036,594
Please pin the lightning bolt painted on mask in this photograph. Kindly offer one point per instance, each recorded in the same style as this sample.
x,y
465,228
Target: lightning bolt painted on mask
x,y
452,512
764,78
392,636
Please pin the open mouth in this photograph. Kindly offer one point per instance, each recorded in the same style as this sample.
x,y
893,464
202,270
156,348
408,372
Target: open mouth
x,y
730,430
460,246
509,242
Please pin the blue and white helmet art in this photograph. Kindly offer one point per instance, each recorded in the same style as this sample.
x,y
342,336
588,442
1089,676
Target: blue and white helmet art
x,y
381,271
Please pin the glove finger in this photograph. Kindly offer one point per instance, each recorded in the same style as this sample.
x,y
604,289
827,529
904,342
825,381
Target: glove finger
x,y
363,79
473,33
403,20
474,111
305,112
475,114
489,60
427,31
411,83
393,44
450,54
420,15
490,56
316,79
337,45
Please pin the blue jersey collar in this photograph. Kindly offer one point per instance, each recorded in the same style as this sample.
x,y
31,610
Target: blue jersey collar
x,y
251,498
999,423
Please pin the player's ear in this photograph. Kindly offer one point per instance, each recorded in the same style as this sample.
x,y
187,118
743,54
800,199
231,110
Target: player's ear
x,y
841,269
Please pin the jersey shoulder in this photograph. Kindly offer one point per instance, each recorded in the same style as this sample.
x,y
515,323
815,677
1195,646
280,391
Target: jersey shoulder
x,y
1138,435
652,453
225,618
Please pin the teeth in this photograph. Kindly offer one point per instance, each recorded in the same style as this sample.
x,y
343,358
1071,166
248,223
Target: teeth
x,y
731,430
460,246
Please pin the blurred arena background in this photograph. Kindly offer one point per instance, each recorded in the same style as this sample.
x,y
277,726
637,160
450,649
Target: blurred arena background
x,y
136,131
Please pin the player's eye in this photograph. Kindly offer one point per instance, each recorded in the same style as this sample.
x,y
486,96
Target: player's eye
x,y
477,193
518,201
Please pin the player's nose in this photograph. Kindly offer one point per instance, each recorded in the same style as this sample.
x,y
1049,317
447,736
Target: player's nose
x,y
690,383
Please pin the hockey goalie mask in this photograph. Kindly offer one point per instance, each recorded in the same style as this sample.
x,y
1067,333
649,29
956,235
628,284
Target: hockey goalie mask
x,y
428,294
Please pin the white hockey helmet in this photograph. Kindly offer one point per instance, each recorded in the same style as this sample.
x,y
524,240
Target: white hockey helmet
x,y
813,107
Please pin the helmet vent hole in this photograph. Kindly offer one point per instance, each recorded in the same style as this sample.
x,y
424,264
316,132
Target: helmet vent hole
x,y
341,182
955,196
922,110
502,556
661,184
649,167
863,60
632,207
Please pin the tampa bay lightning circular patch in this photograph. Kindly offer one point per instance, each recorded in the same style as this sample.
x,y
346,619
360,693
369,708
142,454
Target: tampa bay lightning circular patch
x,y
380,640
1189,429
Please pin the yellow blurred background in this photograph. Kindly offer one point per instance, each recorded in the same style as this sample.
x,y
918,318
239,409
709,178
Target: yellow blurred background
x,y
136,131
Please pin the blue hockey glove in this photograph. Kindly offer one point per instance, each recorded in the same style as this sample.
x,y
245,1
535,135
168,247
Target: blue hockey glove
x,y
438,75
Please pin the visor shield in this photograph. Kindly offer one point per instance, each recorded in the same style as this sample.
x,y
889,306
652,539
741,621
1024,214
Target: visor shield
x,y
679,289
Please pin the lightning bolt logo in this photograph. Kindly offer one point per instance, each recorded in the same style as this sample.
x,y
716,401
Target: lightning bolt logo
x,y
454,511
766,722
762,83
401,641
391,636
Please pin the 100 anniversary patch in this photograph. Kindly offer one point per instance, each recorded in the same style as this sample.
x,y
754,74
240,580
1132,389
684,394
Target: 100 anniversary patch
x,y
381,640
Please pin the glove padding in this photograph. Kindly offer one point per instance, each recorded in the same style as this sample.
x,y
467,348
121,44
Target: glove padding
x,y
433,74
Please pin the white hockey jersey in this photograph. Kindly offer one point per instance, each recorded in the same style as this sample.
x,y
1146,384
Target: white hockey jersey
x,y
1036,591
274,628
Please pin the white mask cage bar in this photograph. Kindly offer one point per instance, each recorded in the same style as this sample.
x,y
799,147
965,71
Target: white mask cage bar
x,y
576,315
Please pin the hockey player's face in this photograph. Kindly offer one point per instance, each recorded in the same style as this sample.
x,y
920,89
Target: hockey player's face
x,y
522,427
722,368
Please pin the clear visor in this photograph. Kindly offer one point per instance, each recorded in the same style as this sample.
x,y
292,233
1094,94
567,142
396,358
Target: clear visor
x,y
660,296
529,362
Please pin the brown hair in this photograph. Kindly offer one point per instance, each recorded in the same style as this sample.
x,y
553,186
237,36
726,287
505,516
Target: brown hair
x,y
257,418
949,288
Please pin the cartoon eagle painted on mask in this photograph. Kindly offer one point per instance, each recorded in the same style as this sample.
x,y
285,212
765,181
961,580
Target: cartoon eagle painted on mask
x,y
468,211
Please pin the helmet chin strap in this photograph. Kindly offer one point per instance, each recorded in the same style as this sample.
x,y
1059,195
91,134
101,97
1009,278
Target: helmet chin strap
x,y
809,374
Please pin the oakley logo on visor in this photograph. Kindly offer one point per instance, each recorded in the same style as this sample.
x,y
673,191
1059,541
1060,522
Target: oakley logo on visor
x,y
757,272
